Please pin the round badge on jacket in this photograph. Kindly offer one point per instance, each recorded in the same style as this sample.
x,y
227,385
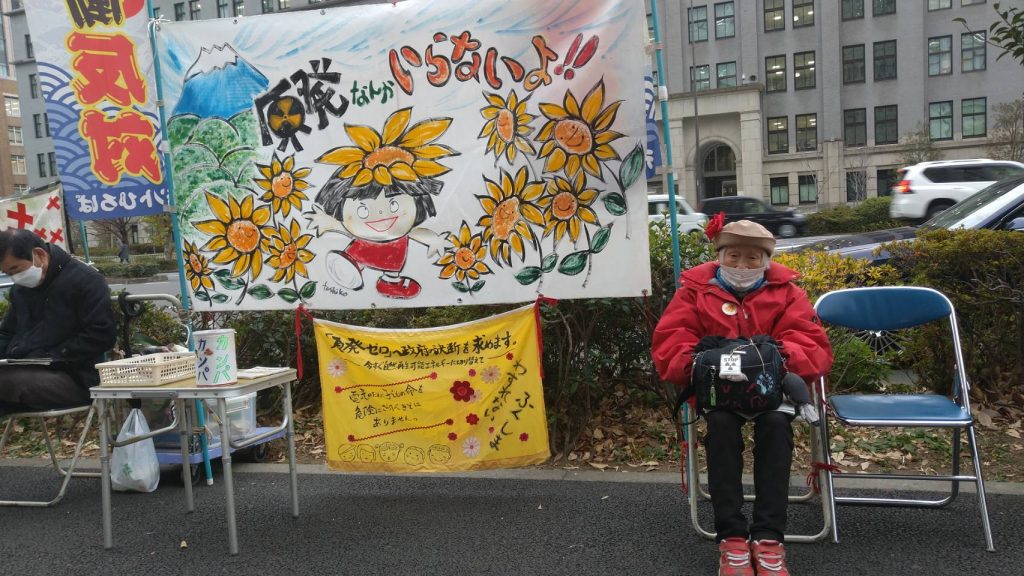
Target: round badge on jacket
x,y
729,309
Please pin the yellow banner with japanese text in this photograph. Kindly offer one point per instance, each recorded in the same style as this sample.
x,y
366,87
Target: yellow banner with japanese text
x,y
455,398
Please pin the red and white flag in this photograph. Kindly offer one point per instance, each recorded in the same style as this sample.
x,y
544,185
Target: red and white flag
x,y
41,213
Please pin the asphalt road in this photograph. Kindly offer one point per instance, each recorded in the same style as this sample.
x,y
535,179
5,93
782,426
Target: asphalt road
x,y
537,522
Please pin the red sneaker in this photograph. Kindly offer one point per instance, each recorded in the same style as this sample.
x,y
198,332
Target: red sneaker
x,y
734,558
769,557
403,288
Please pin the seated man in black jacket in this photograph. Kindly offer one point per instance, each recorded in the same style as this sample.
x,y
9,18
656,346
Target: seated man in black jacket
x,y
59,309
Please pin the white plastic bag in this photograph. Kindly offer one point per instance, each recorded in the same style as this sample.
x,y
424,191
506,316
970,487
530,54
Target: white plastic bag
x,y
134,467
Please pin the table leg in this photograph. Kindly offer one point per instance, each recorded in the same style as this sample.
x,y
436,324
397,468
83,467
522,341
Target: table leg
x,y
184,435
229,481
290,434
108,538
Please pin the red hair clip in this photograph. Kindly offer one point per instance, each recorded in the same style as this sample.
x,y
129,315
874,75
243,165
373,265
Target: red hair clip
x,y
714,225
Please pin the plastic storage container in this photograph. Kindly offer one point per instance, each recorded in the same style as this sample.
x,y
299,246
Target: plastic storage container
x,y
241,416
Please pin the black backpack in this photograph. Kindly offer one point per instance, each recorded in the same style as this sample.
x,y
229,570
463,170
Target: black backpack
x,y
761,362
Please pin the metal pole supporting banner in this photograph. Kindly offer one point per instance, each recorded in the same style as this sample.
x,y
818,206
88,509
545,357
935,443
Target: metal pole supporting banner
x,y
176,234
667,136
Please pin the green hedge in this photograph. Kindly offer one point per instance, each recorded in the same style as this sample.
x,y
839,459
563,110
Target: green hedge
x,y
871,214
137,269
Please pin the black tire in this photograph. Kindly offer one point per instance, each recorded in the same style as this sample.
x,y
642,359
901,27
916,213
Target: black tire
x,y
259,453
788,230
935,209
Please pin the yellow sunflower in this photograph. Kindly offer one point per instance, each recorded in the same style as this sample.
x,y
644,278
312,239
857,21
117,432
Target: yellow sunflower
x,y
288,254
283,184
197,268
399,152
567,207
577,136
507,126
465,259
237,233
508,210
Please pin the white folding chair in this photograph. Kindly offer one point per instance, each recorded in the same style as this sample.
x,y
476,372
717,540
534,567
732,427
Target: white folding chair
x,y
887,309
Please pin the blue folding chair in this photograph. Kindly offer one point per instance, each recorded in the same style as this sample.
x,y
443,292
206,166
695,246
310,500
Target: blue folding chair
x,y
892,308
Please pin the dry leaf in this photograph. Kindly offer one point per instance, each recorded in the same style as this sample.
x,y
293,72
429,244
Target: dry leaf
x,y
540,507
598,466
605,497
984,419
598,434
183,545
1014,433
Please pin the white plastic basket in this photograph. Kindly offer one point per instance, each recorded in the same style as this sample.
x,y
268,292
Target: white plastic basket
x,y
149,370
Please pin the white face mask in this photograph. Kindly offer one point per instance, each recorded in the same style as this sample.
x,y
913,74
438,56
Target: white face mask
x,y
29,277
742,278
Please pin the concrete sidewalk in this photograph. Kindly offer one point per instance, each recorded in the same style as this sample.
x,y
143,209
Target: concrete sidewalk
x,y
501,522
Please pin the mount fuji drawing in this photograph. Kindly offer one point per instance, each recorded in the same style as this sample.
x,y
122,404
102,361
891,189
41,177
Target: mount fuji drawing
x,y
220,83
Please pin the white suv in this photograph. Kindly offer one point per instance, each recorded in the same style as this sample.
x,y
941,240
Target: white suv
x,y
928,188
687,219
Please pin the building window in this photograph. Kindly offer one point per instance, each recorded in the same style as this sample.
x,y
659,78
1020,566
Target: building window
x,y
774,15
885,60
780,190
46,124
238,8
972,115
51,160
971,2
807,188
725,20
886,125
803,70
222,8
193,10
30,52
886,179
853,9
803,13
12,106
972,51
37,121
157,12
726,73
33,85
179,11
15,136
940,55
853,64
778,135
939,4
698,23
940,120
267,6
18,165
883,7
21,188
41,160
806,132
855,127
856,185
283,4
700,78
775,73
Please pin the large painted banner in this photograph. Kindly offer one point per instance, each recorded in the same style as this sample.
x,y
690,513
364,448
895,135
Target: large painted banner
x,y
41,213
424,153
96,75
466,397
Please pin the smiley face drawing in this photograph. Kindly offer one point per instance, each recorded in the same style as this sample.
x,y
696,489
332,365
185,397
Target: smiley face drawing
x,y
366,453
347,453
414,455
389,451
379,196
439,454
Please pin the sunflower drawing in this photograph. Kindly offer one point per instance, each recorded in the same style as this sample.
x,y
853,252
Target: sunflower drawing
x,y
567,207
507,126
282,184
287,248
509,208
399,152
465,258
577,137
237,230
197,268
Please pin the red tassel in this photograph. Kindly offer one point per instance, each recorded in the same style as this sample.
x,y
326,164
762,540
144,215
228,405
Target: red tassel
x,y
812,476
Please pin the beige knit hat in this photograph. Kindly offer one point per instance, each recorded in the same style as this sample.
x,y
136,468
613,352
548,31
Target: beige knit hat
x,y
745,233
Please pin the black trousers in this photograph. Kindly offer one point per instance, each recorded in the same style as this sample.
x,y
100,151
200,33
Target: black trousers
x,y
773,455
24,388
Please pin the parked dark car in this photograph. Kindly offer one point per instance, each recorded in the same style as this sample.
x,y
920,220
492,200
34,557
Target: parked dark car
x,y
782,223
997,207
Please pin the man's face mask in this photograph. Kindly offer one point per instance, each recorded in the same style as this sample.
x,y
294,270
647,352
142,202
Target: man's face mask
x,y
29,277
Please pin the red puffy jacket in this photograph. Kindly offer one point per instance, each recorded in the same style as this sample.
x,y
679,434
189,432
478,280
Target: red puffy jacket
x,y
778,308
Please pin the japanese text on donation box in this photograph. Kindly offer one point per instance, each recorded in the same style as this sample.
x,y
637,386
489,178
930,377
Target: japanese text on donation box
x,y
463,397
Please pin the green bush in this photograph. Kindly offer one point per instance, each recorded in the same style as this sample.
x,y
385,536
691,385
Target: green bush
x,y
871,214
135,269
982,273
